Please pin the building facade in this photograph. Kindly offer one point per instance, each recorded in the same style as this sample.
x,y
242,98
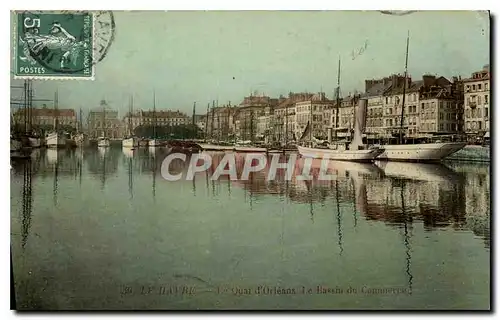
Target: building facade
x,y
104,122
47,117
477,102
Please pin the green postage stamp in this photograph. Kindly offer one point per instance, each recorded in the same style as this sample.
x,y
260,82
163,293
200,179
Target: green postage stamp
x,y
60,45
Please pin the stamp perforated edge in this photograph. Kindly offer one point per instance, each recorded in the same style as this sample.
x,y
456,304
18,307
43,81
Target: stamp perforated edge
x,y
36,77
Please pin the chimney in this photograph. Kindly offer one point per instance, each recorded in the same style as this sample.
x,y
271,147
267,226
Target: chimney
x,y
429,80
368,85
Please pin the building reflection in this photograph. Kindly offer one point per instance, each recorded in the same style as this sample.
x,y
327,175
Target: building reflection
x,y
398,194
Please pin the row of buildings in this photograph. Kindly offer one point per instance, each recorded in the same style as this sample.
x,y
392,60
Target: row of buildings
x,y
433,105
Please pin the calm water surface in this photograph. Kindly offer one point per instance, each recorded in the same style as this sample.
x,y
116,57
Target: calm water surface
x,y
100,229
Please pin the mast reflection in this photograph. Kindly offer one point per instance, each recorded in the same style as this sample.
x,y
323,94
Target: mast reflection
x,y
27,202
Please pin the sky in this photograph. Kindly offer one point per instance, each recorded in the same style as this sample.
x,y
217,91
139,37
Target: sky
x,y
200,56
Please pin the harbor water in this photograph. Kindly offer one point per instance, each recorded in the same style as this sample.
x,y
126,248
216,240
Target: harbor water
x,y
103,230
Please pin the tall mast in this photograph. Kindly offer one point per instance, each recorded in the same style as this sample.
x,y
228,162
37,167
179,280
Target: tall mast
x,y
103,102
206,121
56,105
154,114
194,111
337,102
212,123
130,111
25,106
80,122
404,90
286,124
311,125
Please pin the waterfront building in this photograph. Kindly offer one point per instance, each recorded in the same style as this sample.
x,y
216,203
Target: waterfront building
x,y
432,106
47,116
160,117
247,113
312,110
104,122
477,102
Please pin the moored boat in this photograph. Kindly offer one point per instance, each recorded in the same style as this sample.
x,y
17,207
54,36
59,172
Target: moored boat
x,y
131,142
81,140
55,140
103,142
354,151
366,155
421,152
154,143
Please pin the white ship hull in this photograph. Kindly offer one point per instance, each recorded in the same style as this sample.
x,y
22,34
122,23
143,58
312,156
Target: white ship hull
x,y
341,155
130,143
55,140
424,152
103,142
154,143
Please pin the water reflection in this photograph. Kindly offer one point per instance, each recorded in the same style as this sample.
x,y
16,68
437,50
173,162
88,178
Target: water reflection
x,y
451,195
27,199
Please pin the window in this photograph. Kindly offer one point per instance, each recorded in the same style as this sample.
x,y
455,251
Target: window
x,y
479,86
467,88
479,125
478,99
473,87
486,86
486,112
486,99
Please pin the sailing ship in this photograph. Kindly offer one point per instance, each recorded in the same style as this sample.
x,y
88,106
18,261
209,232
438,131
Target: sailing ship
x,y
81,139
422,152
103,141
56,139
154,142
131,141
34,141
353,151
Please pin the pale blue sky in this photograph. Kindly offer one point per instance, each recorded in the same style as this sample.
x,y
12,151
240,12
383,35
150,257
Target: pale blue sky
x,y
193,56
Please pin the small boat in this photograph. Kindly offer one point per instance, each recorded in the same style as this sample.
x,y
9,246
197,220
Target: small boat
x,y
81,140
131,142
55,140
103,142
143,143
35,142
154,143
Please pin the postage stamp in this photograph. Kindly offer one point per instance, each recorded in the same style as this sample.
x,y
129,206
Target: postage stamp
x,y
60,45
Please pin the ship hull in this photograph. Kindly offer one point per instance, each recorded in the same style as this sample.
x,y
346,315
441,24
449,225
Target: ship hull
x,y
130,143
103,143
154,143
423,152
55,140
341,155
